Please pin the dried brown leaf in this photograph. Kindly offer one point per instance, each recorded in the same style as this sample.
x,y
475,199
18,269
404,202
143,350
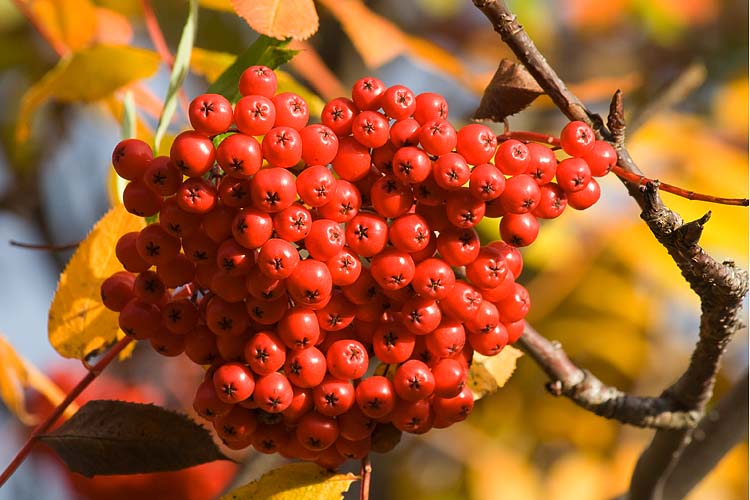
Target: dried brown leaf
x,y
511,90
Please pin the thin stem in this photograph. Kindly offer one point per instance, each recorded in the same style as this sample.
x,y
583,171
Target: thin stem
x,y
641,180
60,409
524,136
366,472
51,248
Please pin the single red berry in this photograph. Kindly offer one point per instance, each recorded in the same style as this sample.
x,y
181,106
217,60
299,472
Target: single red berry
x,y
411,165
392,269
266,312
430,106
489,343
206,402
310,284
519,230
265,352
337,314
305,367
409,233
234,193
210,114
258,80
338,115
376,396
117,290
319,144
140,200
454,409
315,185
462,302
345,267
586,197
392,343
273,189
405,133
433,278
577,139
447,339
451,171
200,348
573,174
131,158
515,305
155,245
317,432
352,160
421,315
512,157
476,143
487,182
233,382
262,287
177,221
601,158
413,381
199,247
367,92
484,320
521,194
344,203
398,102
234,259
450,378
552,202
367,234
251,228
254,115
162,176
438,137
149,288
390,197
239,155
277,258
488,270
197,195
299,328
347,359
282,147
291,110
180,316
333,396
458,246
463,209
140,320
326,239
193,153
293,223
226,318
542,163
237,426
370,129
273,392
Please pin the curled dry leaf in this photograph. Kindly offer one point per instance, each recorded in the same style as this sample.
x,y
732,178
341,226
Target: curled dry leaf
x,y
296,481
488,374
115,437
280,19
511,90
78,321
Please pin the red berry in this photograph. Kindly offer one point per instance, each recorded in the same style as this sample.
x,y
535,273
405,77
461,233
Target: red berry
x,y
239,155
586,197
521,194
319,144
282,147
512,157
411,165
519,230
367,234
573,174
347,359
233,382
117,290
398,102
131,158
451,171
438,137
259,80
601,158
476,143
162,176
486,183
392,269
370,129
265,353
542,163
140,200
430,106
254,115
291,110
333,396
317,432
273,393
338,115
367,92
552,202
306,367
210,114
344,203
310,284
299,328
393,343
352,160
413,381
376,396
577,139
193,153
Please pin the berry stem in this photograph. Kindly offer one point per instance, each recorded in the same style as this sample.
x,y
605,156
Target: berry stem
x,y
366,472
51,248
637,179
43,427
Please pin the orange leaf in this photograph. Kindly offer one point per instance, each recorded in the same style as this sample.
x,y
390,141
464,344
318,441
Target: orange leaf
x,y
112,27
280,19
71,23
376,39
78,321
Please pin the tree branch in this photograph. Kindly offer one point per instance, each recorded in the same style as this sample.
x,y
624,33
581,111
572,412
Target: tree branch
x,y
719,431
590,393
720,286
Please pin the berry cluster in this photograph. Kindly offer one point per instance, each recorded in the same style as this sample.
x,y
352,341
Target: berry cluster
x,y
288,265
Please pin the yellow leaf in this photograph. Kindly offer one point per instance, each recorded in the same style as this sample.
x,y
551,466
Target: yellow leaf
x,y
17,374
296,481
88,75
70,23
112,27
78,321
489,373
280,19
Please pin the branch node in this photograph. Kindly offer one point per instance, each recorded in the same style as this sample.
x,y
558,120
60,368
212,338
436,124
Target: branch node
x,y
554,387
691,232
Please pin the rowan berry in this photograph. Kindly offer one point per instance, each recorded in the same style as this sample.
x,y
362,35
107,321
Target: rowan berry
x,y
519,230
197,195
390,197
310,283
521,194
155,245
486,182
430,106
282,147
206,402
573,174
180,316
398,102
370,129
193,153
338,115
542,163
130,158
438,137
601,158
325,239
305,367
299,328
347,359
273,392
462,302
450,378
254,115
210,114
333,396
411,165
291,110
162,176
366,234
293,223
337,314
488,270
352,160
345,267
458,246
117,290
489,343
392,269
451,171
317,432
586,197
239,155
367,92
344,203
476,143
552,202
251,228
404,132
319,144
577,139
140,200
463,210
259,80
393,343
512,157
139,319
233,382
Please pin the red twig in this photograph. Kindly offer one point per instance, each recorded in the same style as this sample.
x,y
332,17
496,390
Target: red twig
x,y
60,409
641,180
366,473
638,180
51,248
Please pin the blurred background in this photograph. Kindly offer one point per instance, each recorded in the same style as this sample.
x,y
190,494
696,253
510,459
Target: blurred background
x,y
599,282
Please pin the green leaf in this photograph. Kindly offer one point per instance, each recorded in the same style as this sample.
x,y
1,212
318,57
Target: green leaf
x,y
264,51
115,437
179,71
296,481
